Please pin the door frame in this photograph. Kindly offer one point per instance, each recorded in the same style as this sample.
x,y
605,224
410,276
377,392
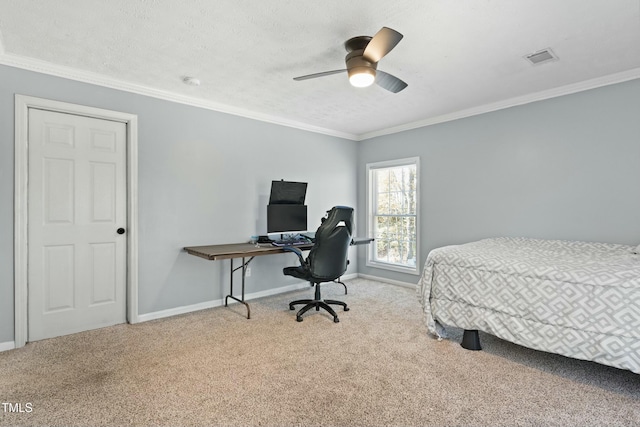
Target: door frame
x,y
21,174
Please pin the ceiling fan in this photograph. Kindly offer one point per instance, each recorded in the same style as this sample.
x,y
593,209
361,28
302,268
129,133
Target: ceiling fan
x,y
362,61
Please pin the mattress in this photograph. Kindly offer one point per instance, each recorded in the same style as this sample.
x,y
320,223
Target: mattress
x,y
578,299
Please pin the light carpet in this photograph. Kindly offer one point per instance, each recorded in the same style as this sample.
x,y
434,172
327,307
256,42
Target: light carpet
x,y
377,367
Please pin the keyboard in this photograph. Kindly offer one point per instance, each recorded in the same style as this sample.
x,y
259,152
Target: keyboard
x,y
290,242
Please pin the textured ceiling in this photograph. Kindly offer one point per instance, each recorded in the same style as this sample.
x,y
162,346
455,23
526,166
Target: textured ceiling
x,y
456,56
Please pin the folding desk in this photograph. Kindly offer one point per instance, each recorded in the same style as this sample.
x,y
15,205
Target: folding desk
x,y
244,251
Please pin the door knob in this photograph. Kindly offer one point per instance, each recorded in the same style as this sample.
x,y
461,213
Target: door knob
x,y
120,230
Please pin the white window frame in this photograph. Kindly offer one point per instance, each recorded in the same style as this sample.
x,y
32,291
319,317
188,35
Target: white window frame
x,y
371,202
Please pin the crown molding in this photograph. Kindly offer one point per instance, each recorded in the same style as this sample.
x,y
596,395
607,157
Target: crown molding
x,y
105,81
44,67
610,79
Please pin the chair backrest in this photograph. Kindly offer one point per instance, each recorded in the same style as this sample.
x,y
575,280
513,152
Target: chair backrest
x,y
327,259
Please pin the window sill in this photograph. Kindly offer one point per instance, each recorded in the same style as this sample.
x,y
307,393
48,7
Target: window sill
x,y
393,267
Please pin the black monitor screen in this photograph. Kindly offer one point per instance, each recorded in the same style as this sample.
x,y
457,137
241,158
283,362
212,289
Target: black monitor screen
x,y
286,218
287,193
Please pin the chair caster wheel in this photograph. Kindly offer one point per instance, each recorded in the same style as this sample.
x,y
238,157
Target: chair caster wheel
x,y
336,320
299,319
346,309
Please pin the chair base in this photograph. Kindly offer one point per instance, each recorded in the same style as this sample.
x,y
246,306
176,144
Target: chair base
x,y
317,304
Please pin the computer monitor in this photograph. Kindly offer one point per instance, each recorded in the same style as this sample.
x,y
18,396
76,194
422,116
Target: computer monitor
x,y
287,193
286,218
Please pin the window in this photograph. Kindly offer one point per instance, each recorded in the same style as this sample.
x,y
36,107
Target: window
x,y
393,214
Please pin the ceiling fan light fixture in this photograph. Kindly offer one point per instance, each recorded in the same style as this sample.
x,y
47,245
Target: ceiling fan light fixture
x,y
362,76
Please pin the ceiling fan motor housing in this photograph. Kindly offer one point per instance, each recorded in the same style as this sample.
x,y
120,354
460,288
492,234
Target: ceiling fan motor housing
x,y
357,43
356,64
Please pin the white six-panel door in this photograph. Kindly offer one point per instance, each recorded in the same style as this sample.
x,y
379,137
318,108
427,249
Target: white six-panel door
x,y
77,202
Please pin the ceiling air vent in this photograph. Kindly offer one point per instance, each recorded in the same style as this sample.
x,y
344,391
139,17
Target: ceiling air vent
x,y
541,57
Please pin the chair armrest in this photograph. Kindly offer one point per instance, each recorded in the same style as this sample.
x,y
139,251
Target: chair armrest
x,y
295,251
361,241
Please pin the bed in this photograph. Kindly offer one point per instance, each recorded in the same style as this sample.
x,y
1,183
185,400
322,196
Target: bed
x,y
577,299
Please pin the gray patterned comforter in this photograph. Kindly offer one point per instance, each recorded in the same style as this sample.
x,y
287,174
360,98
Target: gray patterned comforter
x,y
577,299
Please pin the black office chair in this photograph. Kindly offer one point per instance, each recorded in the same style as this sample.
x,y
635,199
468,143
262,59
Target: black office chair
x,y
327,260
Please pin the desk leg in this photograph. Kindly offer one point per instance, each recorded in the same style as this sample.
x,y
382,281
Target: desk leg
x,y
244,274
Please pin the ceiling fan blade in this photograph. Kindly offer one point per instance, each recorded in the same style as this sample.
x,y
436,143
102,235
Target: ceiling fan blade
x,y
389,82
324,73
381,44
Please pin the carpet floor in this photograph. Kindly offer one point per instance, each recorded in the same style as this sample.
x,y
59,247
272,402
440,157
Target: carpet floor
x,y
376,367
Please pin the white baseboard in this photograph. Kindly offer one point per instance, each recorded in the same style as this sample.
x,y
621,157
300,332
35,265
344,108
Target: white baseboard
x,y
219,302
9,345
178,310
390,281
349,276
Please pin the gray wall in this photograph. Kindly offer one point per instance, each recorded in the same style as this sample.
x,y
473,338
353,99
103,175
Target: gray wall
x,y
563,168
204,178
